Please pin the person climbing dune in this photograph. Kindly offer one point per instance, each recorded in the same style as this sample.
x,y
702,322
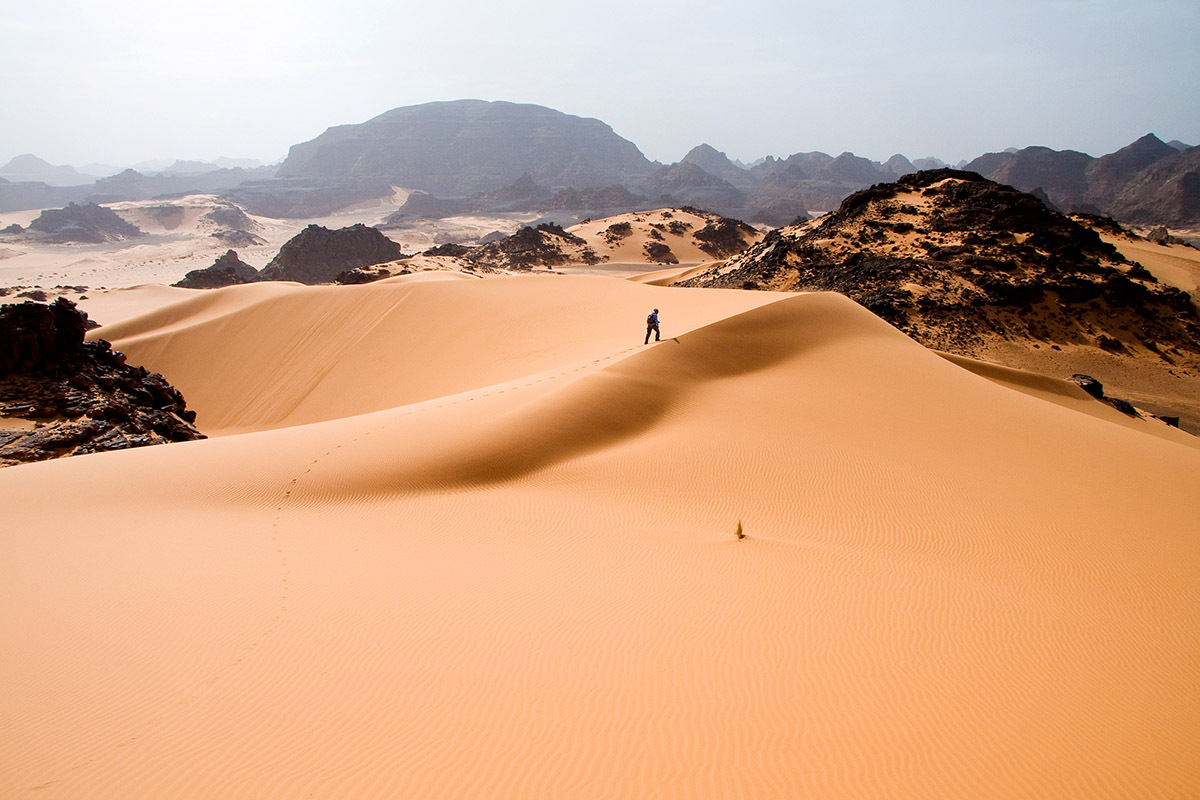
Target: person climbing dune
x,y
652,326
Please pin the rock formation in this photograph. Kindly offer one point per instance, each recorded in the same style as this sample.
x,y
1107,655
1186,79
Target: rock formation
x,y
547,245
319,255
75,396
89,224
954,259
228,270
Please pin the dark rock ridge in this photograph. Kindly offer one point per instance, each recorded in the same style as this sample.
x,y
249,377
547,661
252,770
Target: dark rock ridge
x,y
228,270
83,394
954,260
88,224
466,147
319,255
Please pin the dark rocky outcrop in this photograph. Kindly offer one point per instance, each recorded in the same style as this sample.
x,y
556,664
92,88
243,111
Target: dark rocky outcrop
x,y
228,270
723,237
954,260
546,245
319,255
88,223
77,396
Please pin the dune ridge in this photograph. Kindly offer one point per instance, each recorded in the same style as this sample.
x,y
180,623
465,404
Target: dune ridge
x,y
523,580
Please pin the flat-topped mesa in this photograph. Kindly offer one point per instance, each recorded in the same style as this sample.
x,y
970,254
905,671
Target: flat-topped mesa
x,y
954,259
319,255
76,396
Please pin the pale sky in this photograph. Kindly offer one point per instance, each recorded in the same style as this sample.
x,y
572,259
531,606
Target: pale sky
x,y
128,80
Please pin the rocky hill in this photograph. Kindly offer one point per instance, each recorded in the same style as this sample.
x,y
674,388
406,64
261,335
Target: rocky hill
x,y
319,255
88,223
228,270
61,395
959,262
469,146
546,245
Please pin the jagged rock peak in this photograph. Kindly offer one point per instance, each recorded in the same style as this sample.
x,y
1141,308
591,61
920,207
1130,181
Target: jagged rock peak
x,y
319,255
228,270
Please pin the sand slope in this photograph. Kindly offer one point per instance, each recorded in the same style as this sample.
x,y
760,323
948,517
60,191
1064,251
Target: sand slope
x,y
516,576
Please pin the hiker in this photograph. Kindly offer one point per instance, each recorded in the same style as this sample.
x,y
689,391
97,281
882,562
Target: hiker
x,y
652,325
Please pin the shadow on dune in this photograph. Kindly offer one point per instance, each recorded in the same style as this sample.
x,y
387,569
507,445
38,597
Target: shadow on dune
x,y
605,408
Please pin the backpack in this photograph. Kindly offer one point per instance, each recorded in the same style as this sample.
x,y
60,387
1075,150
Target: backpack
x,y
650,320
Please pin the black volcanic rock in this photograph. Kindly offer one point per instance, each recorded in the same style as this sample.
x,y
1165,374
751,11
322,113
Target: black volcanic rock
x,y
466,147
953,259
318,255
228,270
84,396
89,223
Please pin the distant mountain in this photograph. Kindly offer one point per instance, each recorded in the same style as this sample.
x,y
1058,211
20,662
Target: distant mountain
x,y
469,146
1146,178
189,168
900,165
717,164
686,183
1107,175
1178,145
28,168
1167,192
133,185
1061,173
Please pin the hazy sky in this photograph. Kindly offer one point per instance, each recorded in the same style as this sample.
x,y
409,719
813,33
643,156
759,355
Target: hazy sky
x,y
127,80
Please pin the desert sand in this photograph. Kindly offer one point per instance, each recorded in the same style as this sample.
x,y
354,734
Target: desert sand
x,y
465,537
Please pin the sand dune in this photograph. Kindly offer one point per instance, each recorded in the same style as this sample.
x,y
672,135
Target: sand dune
x,y
673,228
480,543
